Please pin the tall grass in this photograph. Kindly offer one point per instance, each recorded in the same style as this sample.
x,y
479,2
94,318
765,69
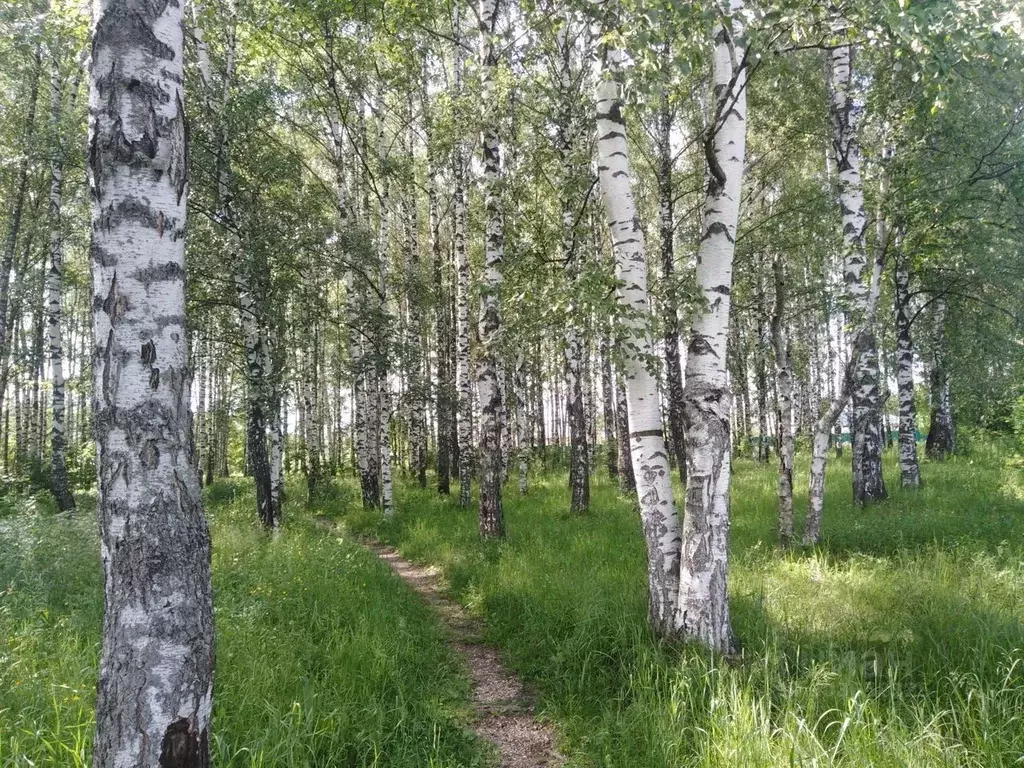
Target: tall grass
x,y
323,657
899,642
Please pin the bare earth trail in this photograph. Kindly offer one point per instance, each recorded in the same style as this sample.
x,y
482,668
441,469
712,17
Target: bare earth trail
x,y
504,709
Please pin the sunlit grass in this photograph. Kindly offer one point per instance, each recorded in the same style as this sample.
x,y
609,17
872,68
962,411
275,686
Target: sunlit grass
x,y
899,642
323,657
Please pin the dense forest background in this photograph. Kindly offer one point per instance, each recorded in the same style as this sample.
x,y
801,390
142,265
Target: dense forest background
x,y
649,269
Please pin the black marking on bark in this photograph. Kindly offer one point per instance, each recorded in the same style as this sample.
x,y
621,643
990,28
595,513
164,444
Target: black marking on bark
x,y
181,748
645,433
149,352
154,378
149,456
101,256
717,228
699,345
162,273
114,305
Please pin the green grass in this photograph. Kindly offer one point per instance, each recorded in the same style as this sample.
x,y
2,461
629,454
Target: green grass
x,y
899,642
323,657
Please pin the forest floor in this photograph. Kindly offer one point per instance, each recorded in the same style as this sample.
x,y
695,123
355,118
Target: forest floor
x,y
898,642
504,708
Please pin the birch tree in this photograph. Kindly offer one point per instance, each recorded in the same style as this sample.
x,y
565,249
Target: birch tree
x,y
784,410
868,483
648,455
492,523
54,284
910,470
703,610
155,686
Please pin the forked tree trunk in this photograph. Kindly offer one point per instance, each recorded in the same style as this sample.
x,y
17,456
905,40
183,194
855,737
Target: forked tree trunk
x,y
703,611
155,686
492,523
658,515
910,468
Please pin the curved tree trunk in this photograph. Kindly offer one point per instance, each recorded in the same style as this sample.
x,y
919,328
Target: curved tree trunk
x,y
647,445
703,612
155,686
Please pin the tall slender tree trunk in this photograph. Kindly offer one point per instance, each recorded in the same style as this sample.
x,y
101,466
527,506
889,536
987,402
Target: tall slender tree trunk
x,y
445,380
14,228
155,686
865,395
463,385
784,411
54,284
627,481
523,446
565,138
670,309
910,469
819,457
658,515
703,611
941,440
608,408
492,523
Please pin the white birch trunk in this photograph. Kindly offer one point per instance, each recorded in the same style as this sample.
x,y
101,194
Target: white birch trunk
x,y
522,424
492,524
703,610
156,667
647,445
868,484
784,412
462,380
54,280
910,468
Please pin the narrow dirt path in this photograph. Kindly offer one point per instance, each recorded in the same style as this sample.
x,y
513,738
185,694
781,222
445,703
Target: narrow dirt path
x,y
505,713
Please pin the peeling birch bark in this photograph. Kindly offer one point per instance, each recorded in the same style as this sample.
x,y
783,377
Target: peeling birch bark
x,y
156,667
703,609
492,523
648,454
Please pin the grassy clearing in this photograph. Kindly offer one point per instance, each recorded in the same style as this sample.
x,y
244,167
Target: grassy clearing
x,y
323,657
898,643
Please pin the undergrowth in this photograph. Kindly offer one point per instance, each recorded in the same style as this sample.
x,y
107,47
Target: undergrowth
x,y
323,657
899,642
